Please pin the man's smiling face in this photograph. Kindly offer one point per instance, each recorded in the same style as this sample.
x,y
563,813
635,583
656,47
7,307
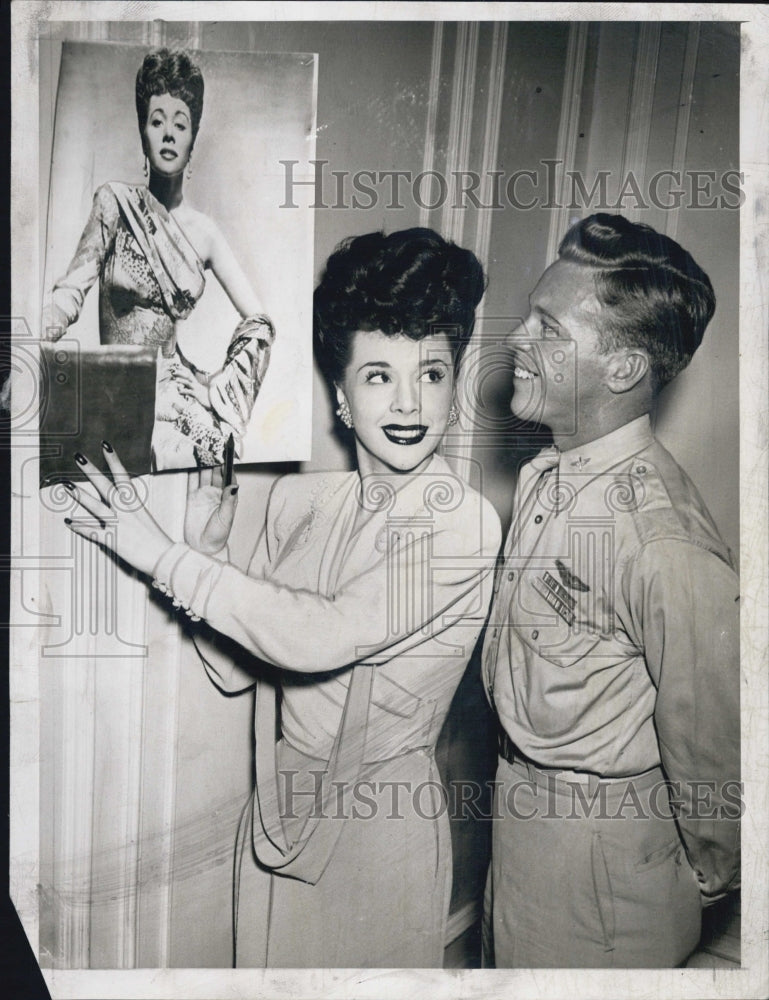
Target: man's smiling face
x,y
557,363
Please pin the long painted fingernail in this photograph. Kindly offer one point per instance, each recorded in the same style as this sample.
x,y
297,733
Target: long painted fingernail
x,y
107,446
80,459
234,490
68,520
69,486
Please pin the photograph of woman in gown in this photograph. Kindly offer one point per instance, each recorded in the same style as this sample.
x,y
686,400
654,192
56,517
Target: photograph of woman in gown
x,y
149,250
356,619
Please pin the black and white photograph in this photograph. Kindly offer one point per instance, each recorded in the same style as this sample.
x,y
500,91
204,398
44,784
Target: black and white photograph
x,y
389,499
164,183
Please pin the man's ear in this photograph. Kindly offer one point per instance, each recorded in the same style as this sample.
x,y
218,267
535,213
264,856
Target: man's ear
x,y
627,369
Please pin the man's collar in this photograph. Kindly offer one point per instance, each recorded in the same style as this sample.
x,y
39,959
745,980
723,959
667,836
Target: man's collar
x,y
603,453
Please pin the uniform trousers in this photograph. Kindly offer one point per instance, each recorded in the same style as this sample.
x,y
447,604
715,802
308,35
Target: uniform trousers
x,y
587,873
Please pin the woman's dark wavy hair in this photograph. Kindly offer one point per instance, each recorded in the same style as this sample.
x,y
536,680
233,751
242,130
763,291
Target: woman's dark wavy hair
x,y
655,295
169,72
411,282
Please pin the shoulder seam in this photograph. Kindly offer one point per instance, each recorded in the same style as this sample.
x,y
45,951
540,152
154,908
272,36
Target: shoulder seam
x,y
668,537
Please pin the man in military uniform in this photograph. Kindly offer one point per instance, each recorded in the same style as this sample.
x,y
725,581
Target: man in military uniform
x,y
612,653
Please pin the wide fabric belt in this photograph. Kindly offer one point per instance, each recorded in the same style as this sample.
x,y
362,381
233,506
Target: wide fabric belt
x,y
548,777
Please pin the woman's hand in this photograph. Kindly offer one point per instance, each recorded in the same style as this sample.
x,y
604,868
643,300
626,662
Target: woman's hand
x,y
210,510
190,388
120,521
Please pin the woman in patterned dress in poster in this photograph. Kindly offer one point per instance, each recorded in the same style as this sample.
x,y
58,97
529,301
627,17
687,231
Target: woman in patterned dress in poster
x,y
149,250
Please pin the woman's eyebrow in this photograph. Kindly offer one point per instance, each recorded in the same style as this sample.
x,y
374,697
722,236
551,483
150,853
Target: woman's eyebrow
x,y
437,359
179,111
375,364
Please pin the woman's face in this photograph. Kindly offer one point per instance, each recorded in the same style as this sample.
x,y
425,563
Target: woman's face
x,y
399,392
167,134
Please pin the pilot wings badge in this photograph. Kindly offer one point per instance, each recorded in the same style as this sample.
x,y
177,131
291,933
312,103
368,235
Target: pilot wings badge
x,y
569,579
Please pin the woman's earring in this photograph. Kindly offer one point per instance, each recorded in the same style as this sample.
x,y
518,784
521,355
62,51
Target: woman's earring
x,y
453,415
189,165
146,167
343,412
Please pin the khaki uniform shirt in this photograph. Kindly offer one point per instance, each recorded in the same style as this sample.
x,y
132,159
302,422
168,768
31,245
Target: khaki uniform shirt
x,y
613,642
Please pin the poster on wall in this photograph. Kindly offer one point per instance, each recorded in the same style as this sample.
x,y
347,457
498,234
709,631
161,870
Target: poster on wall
x,y
168,208
203,195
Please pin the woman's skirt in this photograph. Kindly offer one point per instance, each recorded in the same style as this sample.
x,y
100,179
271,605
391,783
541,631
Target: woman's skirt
x,y
382,901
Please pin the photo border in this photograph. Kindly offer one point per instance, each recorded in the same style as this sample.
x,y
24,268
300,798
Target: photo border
x,y
752,979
